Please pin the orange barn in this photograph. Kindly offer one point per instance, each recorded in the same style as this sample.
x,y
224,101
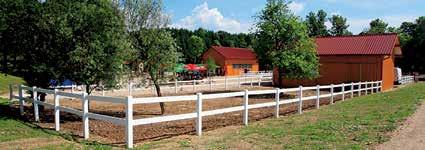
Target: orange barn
x,y
232,61
353,59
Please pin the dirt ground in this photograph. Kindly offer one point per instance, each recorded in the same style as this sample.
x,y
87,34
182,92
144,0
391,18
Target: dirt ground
x,y
108,133
409,136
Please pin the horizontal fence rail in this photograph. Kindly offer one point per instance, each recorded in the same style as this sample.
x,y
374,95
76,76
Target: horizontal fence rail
x,y
406,79
347,89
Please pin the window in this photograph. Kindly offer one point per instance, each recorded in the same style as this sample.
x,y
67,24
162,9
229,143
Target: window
x,y
242,66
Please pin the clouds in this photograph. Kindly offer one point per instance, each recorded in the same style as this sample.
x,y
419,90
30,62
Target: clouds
x,y
296,7
358,25
210,18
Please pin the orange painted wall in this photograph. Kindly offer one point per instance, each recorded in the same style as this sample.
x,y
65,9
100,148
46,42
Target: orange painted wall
x,y
227,64
230,71
349,68
388,73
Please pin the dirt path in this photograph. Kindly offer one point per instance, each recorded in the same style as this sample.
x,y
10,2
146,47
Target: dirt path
x,y
411,135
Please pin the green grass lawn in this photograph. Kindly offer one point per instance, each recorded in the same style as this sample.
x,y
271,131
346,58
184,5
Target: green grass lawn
x,y
358,123
5,80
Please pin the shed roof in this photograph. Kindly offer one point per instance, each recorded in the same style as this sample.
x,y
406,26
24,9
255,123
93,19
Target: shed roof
x,y
376,44
235,53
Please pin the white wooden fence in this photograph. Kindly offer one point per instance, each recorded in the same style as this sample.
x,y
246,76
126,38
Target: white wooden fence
x,y
128,122
210,84
406,79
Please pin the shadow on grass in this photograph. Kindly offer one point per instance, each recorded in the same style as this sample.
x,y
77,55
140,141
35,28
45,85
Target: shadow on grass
x,y
12,113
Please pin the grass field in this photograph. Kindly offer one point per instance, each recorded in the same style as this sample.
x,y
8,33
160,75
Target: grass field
x,y
357,123
5,80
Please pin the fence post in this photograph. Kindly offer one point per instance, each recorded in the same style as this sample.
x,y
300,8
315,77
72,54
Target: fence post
x,y
130,89
373,87
359,89
225,83
277,99
239,82
300,97
129,122
343,91
194,84
252,80
245,105
35,103
259,81
10,94
199,114
175,86
21,100
366,87
211,84
85,115
57,110
332,94
317,96
103,90
352,89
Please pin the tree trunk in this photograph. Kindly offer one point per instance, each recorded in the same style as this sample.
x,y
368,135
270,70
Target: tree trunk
x,y
5,61
158,93
88,91
280,78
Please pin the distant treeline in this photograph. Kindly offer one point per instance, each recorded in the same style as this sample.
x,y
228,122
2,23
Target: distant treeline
x,y
209,38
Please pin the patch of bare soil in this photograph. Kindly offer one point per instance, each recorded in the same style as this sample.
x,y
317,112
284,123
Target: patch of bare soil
x,y
409,136
108,133
31,143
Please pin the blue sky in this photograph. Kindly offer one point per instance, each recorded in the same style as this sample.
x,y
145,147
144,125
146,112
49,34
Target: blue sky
x,y
237,15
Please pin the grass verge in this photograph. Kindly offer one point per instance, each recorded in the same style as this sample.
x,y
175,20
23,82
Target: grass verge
x,y
5,80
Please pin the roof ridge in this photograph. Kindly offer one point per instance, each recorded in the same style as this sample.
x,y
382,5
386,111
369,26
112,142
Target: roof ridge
x,y
359,35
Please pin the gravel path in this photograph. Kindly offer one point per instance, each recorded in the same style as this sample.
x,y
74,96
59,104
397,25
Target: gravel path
x,y
410,136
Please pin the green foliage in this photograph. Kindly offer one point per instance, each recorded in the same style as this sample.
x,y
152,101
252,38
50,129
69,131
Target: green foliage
x,y
209,38
284,42
316,23
339,25
211,65
412,35
195,48
93,38
376,26
157,50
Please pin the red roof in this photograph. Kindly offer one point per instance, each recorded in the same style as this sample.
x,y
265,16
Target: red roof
x,y
377,44
235,53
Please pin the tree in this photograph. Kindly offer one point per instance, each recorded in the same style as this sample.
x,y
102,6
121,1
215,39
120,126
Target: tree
x,y
158,52
94,38
376,26
316,24
195,49
144,14
285,42
339,26
211,65
412,35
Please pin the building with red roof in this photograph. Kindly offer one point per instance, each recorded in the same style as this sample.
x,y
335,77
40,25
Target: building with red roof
x,y
353,59
232,61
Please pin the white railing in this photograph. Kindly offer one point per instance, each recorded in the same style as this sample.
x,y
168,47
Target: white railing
x,y
210,84
406,79
129,122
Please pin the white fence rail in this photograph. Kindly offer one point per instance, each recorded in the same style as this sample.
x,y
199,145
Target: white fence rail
x,y
129,122
406,79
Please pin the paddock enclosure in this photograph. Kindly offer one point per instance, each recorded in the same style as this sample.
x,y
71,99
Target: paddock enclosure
x,y
123,120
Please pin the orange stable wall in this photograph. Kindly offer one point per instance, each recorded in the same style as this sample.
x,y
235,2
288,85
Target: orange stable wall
x,y
336,69
227,64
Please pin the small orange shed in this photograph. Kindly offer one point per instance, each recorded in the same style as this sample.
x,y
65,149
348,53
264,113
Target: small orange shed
x,y
232,61
353,59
